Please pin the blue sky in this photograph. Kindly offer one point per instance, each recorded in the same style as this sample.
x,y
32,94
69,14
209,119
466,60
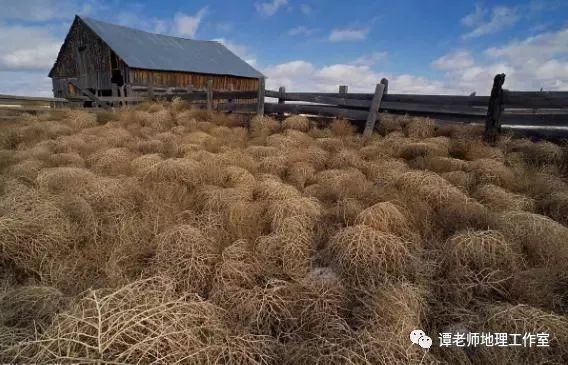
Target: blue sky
x,y
434,46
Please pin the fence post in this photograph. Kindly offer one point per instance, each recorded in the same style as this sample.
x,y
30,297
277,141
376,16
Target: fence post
x,y
189,93
494,109
151,92
374,110
260,97
385,82
209,95
282,98
343,89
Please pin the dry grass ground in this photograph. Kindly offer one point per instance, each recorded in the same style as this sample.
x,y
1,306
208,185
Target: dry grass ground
x,y
161,234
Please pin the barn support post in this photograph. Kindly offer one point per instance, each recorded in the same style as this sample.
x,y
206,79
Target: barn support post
x,y
282,98
231,101
122,100
494,110
374,110
209,95
260,97
114,95
127,92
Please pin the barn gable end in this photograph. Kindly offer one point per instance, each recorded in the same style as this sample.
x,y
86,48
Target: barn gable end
x,y
85,58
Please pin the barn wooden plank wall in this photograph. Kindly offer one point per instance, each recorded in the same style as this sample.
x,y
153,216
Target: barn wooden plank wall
x,y
184,79
165,79
90,67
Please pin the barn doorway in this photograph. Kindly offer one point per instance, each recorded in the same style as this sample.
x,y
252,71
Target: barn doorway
x,y
117,78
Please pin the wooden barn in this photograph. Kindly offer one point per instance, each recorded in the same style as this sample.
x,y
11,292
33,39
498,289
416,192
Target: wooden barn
x,y
99,57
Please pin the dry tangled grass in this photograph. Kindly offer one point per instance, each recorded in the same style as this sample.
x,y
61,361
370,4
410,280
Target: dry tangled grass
x,y
357,252
162,234
499,199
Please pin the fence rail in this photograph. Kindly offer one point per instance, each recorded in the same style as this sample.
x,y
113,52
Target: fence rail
x,y
503,107
522,109
29,103
217,100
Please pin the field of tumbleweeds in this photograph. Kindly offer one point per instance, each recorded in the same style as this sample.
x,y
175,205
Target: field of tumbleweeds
x,y
161,234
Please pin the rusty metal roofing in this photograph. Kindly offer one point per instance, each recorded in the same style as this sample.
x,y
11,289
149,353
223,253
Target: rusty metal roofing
x,y
139,49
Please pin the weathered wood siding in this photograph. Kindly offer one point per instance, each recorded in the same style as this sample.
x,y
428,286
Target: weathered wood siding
x,y
88,61
184,79
85,58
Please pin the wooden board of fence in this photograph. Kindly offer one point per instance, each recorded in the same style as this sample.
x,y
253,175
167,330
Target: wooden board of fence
x,y
29,104
524,109
518,108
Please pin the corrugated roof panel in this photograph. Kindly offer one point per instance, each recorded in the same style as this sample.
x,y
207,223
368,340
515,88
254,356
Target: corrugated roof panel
x,y
151,51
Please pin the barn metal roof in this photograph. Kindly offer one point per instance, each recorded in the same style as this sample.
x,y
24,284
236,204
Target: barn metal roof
x,y
139,49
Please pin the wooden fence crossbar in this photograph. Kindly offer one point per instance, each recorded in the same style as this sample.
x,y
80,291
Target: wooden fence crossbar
x,y
521,108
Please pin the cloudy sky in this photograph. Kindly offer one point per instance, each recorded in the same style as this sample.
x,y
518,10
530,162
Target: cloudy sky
x,y
435,46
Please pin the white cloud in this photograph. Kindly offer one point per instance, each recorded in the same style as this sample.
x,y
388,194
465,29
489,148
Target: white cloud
x,y
187,25
41,57
475,18
301,30
370,59
240,50
181,24
304,76
25,83
44,10
27,48
456,60
530,64
541,46
270,8
293,69
348,34
553,69
293,75
306,9
484,22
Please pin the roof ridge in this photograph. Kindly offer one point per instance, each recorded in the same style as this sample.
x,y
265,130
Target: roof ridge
x,y
143,31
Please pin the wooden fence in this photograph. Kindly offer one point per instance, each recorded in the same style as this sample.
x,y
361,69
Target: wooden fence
x,y
210,99
12,103
503,107
214,100
546,111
